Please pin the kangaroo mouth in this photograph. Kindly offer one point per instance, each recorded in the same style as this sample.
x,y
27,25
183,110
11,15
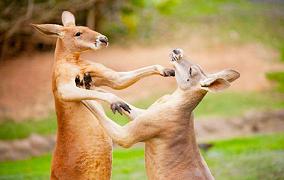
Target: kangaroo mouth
x,y
99,44
102,41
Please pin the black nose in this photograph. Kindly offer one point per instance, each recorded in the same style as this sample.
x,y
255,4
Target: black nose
x,y
176,51
103,39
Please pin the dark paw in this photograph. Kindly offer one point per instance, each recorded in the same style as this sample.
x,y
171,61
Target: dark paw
x,y
169,72
78,81
87,80
119,106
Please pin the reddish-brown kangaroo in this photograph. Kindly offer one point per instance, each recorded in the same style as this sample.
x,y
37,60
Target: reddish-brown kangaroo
x,y
83,149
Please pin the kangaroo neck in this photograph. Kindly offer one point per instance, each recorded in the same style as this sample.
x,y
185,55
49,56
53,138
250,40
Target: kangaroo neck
x,y
63,54
188,99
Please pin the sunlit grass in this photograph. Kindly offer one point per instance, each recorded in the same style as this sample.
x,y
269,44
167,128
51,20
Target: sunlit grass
x,y
16,130
230,104
255,157
278,78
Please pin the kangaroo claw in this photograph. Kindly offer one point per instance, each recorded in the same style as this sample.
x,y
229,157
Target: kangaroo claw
x,y
78,81
119,107
168,72
87,80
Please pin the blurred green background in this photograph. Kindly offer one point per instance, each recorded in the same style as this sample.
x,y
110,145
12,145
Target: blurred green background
x,y
248,27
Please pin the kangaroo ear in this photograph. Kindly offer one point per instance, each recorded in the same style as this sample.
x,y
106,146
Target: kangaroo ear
x,y
219,81
49,29
214,85
227,74
68,19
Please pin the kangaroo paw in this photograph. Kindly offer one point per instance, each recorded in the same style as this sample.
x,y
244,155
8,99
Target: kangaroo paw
x,y
87,80
119,107
168,72
78,81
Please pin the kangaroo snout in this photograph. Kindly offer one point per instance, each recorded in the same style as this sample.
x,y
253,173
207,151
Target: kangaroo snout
x,y
176,54
177,51
103,40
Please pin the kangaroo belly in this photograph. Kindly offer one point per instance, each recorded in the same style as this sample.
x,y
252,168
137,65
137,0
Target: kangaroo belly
x,y
175,157
83,150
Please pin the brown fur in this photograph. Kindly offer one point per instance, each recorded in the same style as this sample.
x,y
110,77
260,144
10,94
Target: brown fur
x,y
83,149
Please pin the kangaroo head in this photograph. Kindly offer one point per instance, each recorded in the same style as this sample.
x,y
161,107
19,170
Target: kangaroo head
x,y
190,76
74,38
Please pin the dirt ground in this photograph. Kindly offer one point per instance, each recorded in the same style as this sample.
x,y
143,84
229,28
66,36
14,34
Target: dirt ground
x,y
25,89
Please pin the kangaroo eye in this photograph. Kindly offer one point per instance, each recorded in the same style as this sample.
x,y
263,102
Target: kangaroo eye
x,y
190,71
78,34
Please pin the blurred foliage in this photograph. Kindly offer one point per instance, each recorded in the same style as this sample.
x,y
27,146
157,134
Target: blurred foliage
x,y
254,157
277,77
241,20
147,20
212,105
16,35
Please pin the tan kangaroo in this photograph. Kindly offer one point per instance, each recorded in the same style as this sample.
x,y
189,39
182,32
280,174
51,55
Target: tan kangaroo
x,y
83,150
167,126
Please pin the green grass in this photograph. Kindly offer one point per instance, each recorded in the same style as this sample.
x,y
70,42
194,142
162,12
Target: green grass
x,y
127,164
255,157
233,104
16,130
224,104
277,77
258,157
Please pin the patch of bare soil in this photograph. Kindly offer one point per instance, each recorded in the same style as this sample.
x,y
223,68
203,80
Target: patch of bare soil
x,y
35,145
25,89
253,122
206,130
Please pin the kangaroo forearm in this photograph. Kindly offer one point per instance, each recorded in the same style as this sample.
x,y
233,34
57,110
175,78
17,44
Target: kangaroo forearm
x,y
134,112
135,131
115,131
128,78
69,92
120,80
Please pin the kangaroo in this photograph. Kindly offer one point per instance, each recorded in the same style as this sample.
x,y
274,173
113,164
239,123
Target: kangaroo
x,y
83,150
167,126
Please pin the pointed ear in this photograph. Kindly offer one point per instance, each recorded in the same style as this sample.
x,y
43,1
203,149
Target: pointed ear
x,y
49,29
68,19
219,81
227,74
214,85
